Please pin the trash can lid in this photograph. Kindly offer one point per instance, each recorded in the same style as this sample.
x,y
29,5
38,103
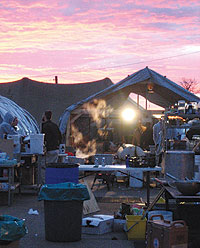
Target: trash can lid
x,y
62,165
64,192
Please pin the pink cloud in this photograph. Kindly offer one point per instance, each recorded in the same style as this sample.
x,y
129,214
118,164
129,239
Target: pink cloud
x,y
76,38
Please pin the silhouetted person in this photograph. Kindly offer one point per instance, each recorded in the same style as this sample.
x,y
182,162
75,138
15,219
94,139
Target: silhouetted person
x,y
52,137
52,140
147,137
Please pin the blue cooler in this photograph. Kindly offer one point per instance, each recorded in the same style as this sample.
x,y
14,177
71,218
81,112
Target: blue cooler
x,y
61,173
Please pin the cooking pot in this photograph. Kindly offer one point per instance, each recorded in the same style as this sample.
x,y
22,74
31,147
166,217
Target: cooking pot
x,y
191,187
186,187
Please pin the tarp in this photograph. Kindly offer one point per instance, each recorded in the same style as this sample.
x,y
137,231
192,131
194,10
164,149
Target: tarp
x,y
27,123
164,92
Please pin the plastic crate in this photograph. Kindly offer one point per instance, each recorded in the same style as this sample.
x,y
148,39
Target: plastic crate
x,y
60,173
135,227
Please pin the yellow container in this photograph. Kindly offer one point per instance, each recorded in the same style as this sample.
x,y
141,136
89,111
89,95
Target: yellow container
x,y
135,227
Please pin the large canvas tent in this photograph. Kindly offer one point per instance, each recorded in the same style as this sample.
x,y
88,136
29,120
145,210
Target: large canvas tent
x,y
154,87
37,97
27,124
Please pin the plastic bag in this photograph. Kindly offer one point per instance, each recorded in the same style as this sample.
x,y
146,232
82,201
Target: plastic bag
x,y
11,228
64,192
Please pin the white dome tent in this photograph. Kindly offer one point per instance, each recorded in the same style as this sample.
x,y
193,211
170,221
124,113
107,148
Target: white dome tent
x,y
27,124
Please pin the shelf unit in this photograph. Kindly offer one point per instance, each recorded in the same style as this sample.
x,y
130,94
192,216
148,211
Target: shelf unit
x,y
166,125
8,180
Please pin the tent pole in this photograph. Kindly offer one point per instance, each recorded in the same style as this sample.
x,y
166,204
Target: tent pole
x,y
146,104
146,98
138,100
68,132
89,127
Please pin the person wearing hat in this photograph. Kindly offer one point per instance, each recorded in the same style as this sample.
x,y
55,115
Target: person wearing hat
x,y
8,126
157,138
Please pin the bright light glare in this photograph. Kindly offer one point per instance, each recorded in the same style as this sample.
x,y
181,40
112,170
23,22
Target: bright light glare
x,y
128,114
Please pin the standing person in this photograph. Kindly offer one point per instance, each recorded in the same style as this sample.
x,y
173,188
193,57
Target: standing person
x,y
147,137
139,130
52,137
8,126
157,138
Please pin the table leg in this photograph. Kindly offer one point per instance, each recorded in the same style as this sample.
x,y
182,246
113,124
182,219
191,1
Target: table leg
x,y
166,200
148,188
39,169
9,185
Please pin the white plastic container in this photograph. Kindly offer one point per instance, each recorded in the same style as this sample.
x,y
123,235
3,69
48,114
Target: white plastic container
x,y
37,143
167,215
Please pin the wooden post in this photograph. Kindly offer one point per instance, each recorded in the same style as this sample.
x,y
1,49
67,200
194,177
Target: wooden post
x,y
56,79
146,98
68,132
138,100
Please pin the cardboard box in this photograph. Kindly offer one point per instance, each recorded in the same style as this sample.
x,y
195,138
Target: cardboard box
x,y
98,224
119,225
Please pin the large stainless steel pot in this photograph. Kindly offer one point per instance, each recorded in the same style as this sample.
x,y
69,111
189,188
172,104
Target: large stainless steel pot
x,y
180,164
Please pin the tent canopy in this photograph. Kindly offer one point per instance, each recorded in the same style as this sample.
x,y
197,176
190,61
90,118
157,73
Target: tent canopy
x,y
27,124
147,83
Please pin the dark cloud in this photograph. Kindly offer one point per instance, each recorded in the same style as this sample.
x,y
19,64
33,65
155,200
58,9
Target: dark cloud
x,y
178,12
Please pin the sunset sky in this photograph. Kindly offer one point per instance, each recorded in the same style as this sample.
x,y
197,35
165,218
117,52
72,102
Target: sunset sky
x,y
83,41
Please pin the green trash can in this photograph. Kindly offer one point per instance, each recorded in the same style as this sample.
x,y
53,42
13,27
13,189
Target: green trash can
x,y
63,207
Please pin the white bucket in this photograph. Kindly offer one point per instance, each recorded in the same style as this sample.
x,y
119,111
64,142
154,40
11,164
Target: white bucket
x,y
37,143
167,215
